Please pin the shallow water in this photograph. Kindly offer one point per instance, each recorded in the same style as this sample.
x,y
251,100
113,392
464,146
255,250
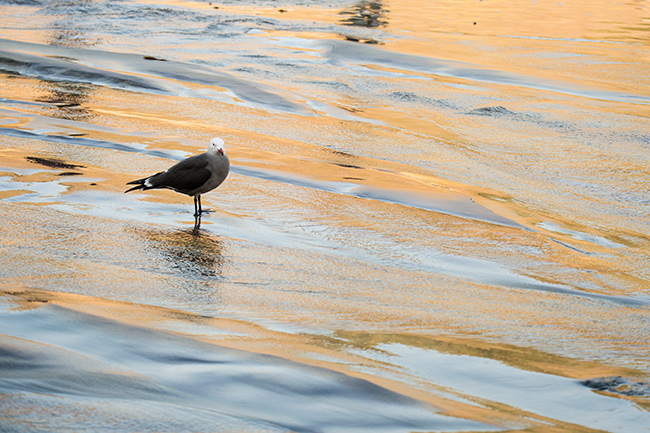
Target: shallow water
x,y
437,216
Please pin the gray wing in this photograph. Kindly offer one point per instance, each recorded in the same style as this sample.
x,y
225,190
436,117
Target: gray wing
x,y
183,177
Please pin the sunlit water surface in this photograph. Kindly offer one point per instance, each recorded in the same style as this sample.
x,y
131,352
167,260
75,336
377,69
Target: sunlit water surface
x,y
437,217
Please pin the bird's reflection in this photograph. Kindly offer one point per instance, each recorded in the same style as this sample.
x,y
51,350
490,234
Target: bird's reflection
x,y
194,253
192,259
196,231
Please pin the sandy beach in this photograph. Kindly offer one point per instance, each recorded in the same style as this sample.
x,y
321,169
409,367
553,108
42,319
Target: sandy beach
x,y
436,217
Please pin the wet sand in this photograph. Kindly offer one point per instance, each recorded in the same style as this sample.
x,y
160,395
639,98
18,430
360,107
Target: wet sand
x,y
436,218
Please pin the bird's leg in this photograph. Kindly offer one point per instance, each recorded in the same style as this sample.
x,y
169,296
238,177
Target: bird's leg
x,y
200,210
196,206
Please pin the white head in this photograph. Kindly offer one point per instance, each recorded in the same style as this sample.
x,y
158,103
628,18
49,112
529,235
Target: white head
x,y
217,145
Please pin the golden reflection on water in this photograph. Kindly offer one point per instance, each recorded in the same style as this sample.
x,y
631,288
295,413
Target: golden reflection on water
x,y
66,100
398,230
580,19
369,272
344,351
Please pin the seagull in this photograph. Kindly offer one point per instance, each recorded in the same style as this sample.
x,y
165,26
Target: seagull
x,y
192,176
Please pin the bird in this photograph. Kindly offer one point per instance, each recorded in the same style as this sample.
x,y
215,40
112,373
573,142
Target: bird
x,y
193,176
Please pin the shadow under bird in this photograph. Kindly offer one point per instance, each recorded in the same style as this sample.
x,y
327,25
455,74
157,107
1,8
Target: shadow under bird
x,y
192,176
